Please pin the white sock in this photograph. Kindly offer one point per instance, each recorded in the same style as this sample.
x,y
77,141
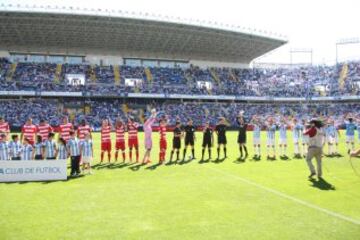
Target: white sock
x,y
274,152
296,149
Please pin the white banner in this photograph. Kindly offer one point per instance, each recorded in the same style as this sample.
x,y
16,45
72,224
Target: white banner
x,y
61,94
75,79
34,170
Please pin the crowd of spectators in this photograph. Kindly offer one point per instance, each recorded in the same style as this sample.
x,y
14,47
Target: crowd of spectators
x,y
306,81
17,111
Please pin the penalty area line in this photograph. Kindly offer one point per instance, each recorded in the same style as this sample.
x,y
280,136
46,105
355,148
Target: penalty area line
x,y
291,198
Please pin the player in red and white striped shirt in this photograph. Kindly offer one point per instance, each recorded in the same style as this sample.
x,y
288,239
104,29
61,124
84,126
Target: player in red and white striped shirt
x,y
120,139
4,127
28,131
65,129
133,141
105,139
83,130
163,143
43,129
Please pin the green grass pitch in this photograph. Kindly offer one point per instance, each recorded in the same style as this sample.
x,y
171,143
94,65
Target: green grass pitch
x,y
227,200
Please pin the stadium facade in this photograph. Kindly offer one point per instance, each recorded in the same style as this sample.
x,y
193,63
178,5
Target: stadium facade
x,y
56,57
111,37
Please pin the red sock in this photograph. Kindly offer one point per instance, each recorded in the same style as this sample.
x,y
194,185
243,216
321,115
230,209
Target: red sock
x,y
130,155
116,155
123,154
160,157
102,156
109,156
163,155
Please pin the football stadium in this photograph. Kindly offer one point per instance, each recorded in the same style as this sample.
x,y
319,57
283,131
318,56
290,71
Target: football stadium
x,y
117,124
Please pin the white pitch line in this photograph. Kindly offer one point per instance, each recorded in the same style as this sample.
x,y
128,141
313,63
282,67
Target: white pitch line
x,y
283,195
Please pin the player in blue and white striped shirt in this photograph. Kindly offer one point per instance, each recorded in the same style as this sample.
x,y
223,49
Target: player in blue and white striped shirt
x,y
358,129
38,148
15,148
62,151
4,147
305,137
27,150
87,152
297,129
350,134
330,131
270,137
50,147
256,137
73,147
283,138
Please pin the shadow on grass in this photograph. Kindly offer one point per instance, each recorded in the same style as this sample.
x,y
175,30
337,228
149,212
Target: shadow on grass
x,y
111,165
219,160
120,165
70,178
285,158
137,167
322,184
169,163
205,161
240,160
183,162
154,166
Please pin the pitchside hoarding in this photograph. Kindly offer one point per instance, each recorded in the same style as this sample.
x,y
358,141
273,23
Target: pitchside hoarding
x,y
18,171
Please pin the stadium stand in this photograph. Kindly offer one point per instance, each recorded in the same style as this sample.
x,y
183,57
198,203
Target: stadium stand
x,y
282,82
17,111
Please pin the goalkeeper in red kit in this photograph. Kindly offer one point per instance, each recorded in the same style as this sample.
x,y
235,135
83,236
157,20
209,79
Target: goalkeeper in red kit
x,y
163,142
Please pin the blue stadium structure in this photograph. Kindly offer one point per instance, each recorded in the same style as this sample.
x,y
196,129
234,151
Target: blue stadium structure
x,y
94,63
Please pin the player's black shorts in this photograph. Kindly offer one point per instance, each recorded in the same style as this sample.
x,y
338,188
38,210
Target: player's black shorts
x,y
241,139
206,143
176,143
189,141
222,140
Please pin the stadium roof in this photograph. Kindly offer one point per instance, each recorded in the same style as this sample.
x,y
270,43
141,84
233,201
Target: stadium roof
x,y
111,32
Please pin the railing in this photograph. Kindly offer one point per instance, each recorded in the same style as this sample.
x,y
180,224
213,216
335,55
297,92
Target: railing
x,y
177,96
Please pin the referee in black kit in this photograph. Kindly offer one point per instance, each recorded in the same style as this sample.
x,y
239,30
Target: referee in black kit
x,y
242,135
176,141
189,130
220,130
208,140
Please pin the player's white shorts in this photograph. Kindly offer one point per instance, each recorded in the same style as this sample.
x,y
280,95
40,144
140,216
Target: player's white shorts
x,y
86,159
270,141
305,140
283,141
256,141
349,138
296,140
330,139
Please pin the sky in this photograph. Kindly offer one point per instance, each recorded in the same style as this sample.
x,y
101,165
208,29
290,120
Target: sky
x,y
307,24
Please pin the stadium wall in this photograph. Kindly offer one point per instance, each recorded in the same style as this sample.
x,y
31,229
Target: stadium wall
x,y
206,64
4,54
106,60
119,59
